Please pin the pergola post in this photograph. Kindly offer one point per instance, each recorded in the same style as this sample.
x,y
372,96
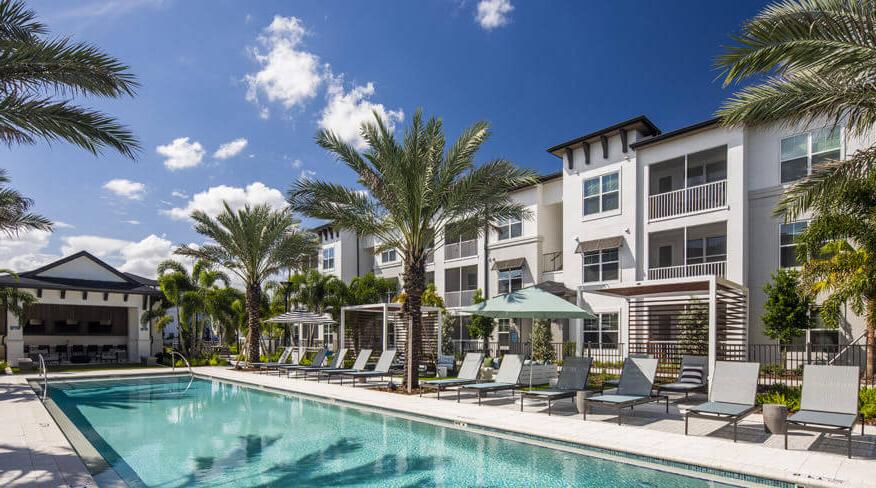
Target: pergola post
x,y
384,327
341,329
440,334
579,325
713,325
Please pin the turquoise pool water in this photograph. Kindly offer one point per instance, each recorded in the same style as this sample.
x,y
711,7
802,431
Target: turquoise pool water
x,y
216,434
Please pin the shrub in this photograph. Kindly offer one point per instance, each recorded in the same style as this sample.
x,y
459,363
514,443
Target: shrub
x,y
781,394
488,362
542,349
568,348
3,366
867,403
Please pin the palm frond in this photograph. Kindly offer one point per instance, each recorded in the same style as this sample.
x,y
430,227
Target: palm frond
x,y
18,22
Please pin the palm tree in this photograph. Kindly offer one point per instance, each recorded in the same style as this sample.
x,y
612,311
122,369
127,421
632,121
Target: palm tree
x,y
816,59
15,215
253,243
414,187
16,301
33,69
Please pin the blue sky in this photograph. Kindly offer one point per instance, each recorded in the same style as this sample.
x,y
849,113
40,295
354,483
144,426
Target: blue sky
x,y
217,73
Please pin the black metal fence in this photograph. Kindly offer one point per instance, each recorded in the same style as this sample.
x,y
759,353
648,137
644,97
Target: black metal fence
x,y
779,364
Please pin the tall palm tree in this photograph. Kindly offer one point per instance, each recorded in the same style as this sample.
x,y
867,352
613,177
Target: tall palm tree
x,y
34,69
816,59
414,188
253,243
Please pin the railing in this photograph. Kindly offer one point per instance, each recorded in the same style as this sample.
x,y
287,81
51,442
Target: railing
x,y
173,363
463,249
688,200
458,298
552,261
44,372
716,268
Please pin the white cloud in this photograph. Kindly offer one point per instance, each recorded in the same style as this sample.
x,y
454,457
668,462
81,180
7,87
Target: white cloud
x,y
306,174
288,75
210,201
296,163
230,149
25,251
347,110
181,153
493,13
140,257
132,222
179,194
63,225
131,190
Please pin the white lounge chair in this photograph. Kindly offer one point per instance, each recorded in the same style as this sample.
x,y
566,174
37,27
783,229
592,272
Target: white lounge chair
x,y
731,396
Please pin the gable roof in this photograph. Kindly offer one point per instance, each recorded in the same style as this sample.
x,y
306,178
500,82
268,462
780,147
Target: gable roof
x,y
126,283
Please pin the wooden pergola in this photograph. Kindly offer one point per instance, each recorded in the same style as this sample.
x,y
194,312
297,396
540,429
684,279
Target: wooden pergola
x,y
661,320
381,326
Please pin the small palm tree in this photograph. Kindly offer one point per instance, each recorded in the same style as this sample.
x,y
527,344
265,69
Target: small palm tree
x,y
15,215
816,57
16,301
253,243
414,188
33,69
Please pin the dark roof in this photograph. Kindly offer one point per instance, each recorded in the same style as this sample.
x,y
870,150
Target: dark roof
x,y
130,283
641,119
541,179
677,132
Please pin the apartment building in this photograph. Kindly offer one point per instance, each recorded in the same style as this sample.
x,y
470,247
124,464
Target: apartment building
x,y
636,225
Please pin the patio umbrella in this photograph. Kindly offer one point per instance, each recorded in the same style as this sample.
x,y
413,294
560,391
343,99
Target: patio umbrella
x,y
528,303
302,317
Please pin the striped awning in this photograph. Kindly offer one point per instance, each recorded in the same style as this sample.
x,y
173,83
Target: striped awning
x,y
600,244
509,264
301,317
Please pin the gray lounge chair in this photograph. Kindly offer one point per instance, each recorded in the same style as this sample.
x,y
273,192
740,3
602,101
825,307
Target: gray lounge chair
x,y
359,365
612,383
337,362
693,376
267,365
731,395
468,374
381,370
317,361
829,402
635,388
506,379
573,378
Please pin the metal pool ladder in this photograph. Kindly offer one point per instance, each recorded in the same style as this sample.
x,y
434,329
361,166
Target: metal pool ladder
x,y
45,374
186,361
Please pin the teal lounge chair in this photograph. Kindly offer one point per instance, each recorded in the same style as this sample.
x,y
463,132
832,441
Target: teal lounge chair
x,y
468,374
634,388
506,379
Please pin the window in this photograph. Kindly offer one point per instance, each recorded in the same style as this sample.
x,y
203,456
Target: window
x,y
328,258
707,250
602,194
506,332
707,166
601,265
788,243
388,256
602,331
803,152
508,229
510,280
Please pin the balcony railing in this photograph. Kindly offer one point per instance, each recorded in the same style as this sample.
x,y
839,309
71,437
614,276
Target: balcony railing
x,y
552,261
464,249
458,298
716,268
688,200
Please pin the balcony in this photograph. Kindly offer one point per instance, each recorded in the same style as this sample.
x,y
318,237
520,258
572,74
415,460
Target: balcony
x,y
458,298
462,249
690,200
716,268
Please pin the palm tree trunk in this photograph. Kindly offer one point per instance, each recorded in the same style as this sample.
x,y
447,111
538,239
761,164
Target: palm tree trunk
x,y
870,369
415,284
253,337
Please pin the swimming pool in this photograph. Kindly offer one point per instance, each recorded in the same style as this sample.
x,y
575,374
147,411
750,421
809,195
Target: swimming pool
x,y
153,432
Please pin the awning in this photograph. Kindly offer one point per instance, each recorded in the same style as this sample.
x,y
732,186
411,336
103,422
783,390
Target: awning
x,y
301,317
600,244
528,303
509,264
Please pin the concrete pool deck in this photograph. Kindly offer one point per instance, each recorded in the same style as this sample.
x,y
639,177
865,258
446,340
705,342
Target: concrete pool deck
x,y
34,452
